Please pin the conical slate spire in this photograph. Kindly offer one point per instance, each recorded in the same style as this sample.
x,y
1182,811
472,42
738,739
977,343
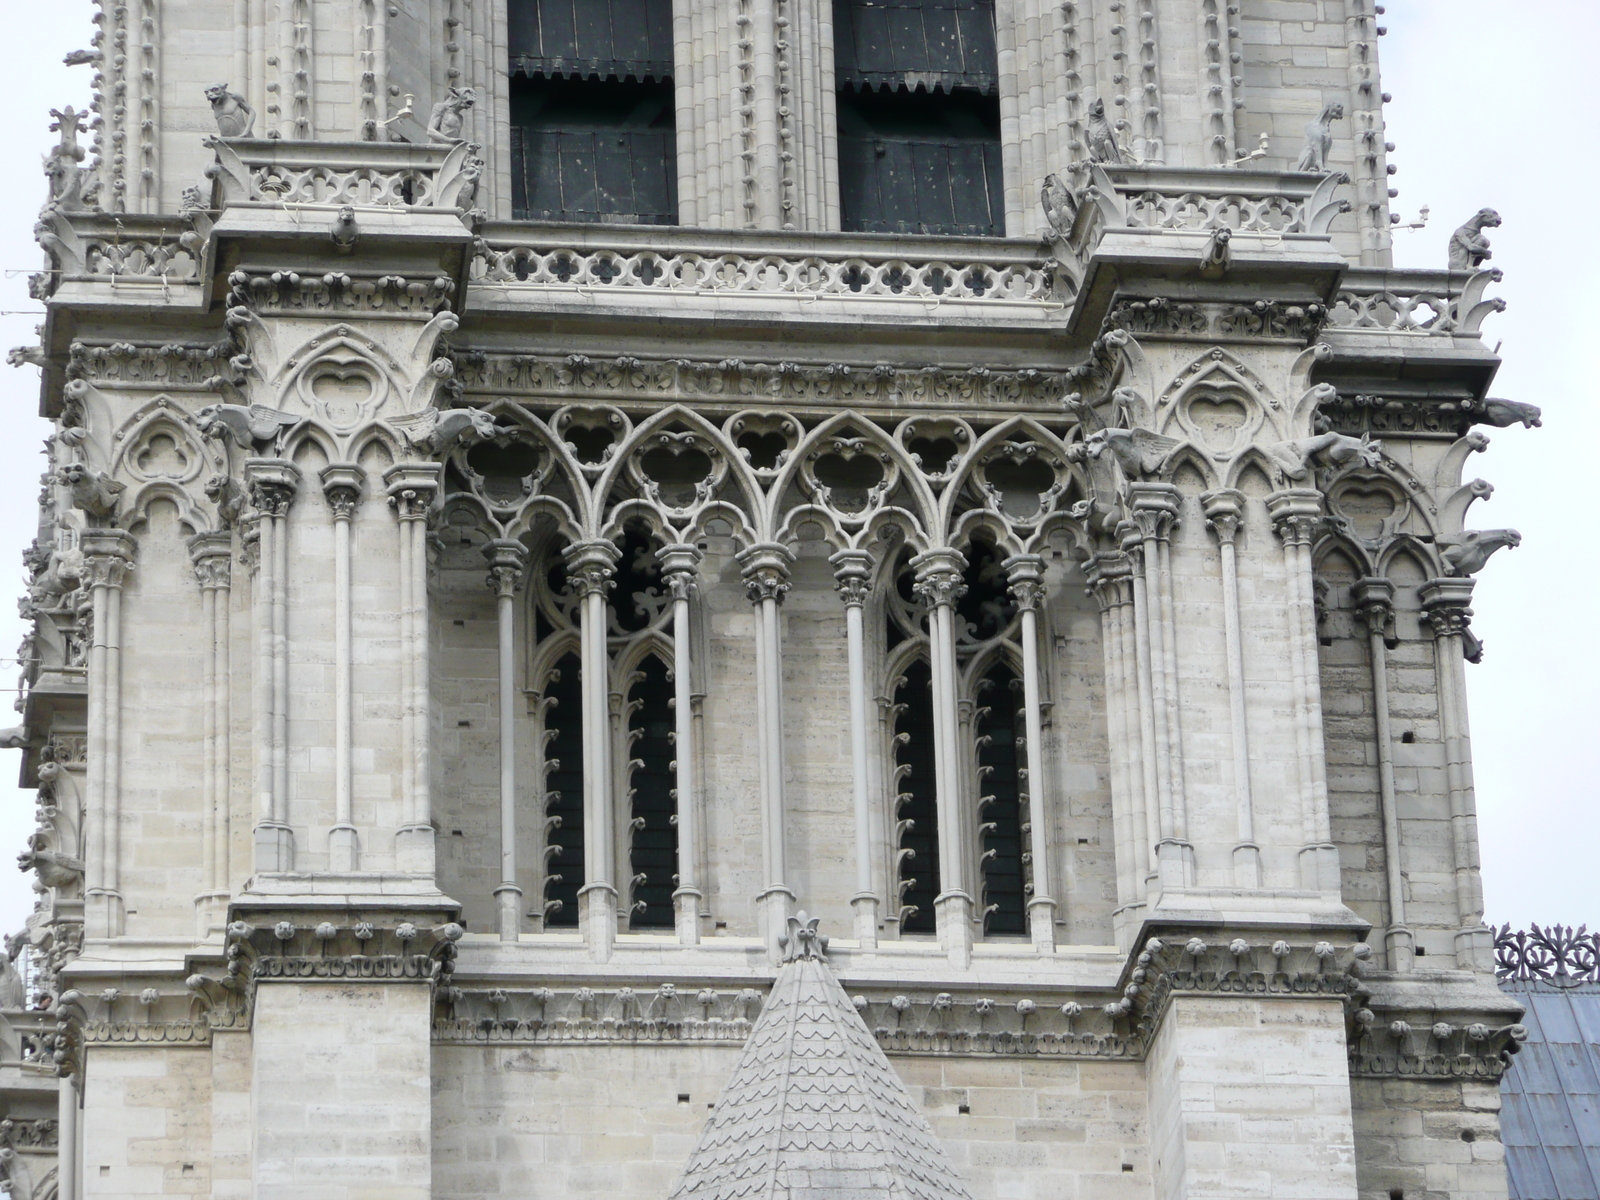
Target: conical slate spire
x,y
814,1111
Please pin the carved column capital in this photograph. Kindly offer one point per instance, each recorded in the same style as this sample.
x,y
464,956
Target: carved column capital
x,y
411,488
1025,575
852,573
1446,606
766,572
939,577
679,565
590,566
1374,600
341,487
107,557
212,556
1153,508
272,484
507,561
1296,515
1109,573
1224,511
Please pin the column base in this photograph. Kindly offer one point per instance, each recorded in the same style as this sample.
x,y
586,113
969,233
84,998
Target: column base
x,y
210,914
104,914
1475,949
1175,864
597,919
772,915
1319,868
1400,948
1247,865
413,849
865,907
686,915
1042,924
274,844
508,911
952,915
344,848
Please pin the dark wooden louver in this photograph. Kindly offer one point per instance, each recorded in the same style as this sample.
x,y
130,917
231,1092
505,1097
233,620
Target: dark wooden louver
x,y
931,44
599,175
604,39
937,187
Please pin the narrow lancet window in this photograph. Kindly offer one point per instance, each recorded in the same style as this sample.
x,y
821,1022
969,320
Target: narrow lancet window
x,y
919,117
563,797
593,134
652,798
1000,741
915,807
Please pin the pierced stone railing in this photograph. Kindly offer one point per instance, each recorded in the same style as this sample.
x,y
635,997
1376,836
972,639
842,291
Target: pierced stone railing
x,y
335,174
1424,302
1160,198
138,248
728,262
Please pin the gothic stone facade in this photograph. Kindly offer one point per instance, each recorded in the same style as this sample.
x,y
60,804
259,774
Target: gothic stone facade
x,y
463,638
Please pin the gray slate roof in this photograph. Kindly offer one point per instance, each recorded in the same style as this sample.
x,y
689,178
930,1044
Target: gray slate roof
x,y
814,1111
1550,1115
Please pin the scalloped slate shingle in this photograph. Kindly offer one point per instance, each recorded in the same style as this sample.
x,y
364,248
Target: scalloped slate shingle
x,y
814,1111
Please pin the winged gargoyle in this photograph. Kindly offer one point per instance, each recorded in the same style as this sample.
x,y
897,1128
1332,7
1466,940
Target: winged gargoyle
x,y
1139,452
92,491
1297,459
451,428
247,426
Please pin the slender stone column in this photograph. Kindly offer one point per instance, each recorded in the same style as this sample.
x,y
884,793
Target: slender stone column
x,y
1445,604
212,556
853,573
1296,517
766,578
341,485
1025,572
411,487
1154,511
507,560
107,559
590,566
1374,600
938,575
67,1154
273,484
1110,575
1224,514
678,563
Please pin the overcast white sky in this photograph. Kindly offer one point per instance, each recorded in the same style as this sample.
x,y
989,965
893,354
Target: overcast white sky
x,y
1489,108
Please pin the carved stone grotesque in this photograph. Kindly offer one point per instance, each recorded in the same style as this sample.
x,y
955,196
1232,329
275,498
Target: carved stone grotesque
x,y
1099,138
1324,452
92,491
67,178
1469,249
1139,452
1503,414
245,425
1466,553
1059,204
1217,257
55,870
459,425
235,118
1319,140
448,117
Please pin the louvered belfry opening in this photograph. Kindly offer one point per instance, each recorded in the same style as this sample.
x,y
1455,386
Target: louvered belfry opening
x,y
919,117
593,134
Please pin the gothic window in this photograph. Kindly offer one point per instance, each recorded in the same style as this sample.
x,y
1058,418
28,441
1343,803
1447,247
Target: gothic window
x,y
652,800
563,797
919,117
1001,801
593,134
916,815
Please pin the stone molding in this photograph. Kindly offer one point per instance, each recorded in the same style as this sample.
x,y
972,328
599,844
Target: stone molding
x,y
1259,321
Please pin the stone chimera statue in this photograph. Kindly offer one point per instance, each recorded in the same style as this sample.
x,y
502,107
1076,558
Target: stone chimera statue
x,y
1468,247
448,117
235,118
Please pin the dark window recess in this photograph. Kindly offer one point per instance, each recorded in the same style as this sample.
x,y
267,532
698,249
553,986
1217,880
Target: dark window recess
x,y
587,150
653,801
1000,816
563,781
916,814
931,44
590,38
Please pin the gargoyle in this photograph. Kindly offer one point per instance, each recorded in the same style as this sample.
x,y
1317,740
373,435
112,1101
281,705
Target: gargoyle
x,y
27,356
14,738
458,425
1469,249
1100,138
1139,452
1295,460
67,178
247,426
1319,140
55,869
1217,257
448,117
1465,553
344,231
235,118
93,491
1059,204
1503,414
228,496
